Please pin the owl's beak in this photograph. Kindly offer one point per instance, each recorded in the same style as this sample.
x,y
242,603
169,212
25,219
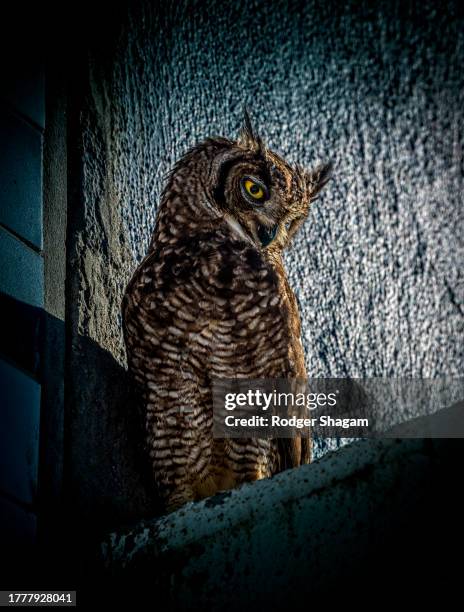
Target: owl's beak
x,y
267,234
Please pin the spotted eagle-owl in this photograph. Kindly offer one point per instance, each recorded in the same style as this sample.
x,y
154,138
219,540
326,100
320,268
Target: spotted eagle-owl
x,y
211,300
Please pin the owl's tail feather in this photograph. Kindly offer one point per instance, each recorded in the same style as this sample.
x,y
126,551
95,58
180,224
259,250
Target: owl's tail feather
x,y
293,452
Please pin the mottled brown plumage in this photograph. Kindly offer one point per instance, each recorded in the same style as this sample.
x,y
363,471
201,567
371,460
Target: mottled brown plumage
x,y
211,300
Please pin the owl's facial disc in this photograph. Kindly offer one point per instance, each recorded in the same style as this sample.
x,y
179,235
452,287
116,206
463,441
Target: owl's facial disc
x,y
255,192
255,202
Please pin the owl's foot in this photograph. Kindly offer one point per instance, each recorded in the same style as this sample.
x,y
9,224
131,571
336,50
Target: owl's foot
x,y
205,487
201,488
179,498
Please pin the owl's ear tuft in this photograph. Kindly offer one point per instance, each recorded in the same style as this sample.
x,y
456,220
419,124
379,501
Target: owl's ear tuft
x,y
248,138
317,179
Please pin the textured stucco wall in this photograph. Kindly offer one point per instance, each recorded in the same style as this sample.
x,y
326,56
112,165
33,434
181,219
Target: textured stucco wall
x,y
378,267
379,91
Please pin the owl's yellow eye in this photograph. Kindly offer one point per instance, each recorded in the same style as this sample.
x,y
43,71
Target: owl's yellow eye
x,y
253,189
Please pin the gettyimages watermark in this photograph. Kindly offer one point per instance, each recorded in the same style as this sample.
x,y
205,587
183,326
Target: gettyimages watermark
x,y
338,408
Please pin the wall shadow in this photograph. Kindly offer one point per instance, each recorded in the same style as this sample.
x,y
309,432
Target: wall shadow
x,y
93,470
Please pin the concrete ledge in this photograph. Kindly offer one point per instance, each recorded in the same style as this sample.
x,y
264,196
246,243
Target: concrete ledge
x,y
305,531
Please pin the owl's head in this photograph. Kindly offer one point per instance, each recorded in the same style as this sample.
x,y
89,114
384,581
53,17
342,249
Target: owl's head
x,y
262,196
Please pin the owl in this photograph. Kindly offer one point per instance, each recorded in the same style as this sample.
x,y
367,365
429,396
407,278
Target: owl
x,y
211,300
